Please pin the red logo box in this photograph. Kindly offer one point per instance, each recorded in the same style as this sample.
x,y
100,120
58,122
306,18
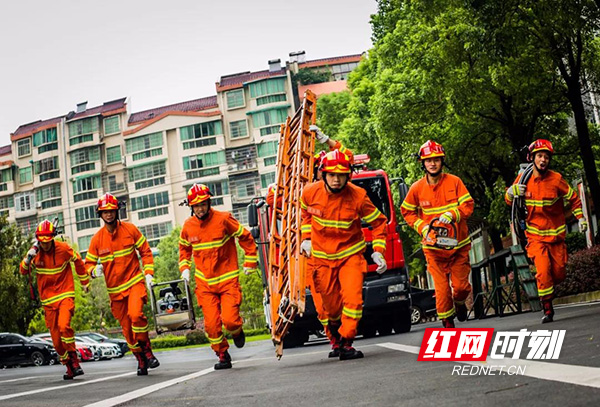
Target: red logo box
x,y
459,344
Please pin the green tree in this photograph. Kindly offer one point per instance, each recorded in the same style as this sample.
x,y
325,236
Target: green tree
x,y
166,264
18,308
307,76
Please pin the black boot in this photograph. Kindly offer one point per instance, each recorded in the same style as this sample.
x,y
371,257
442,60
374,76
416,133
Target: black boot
x,y
151,360
335,347
548,311
224,361
461,312
347,352
74,362
69,375
142,369
240,339
448,322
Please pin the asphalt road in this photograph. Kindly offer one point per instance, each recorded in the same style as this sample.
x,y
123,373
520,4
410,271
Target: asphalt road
x,y
389,375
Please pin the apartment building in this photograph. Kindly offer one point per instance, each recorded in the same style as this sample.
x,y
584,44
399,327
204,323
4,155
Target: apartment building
x,y
59,167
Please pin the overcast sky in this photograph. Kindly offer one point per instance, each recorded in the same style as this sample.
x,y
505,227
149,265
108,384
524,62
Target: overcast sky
x,y
58,53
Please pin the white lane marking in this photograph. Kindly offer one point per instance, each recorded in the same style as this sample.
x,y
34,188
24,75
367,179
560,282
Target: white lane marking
x,y
114,401
558,372
79,383
579,304
22,378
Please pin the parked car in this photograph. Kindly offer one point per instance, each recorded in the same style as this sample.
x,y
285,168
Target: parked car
x,y
16,349
105,350
121,343
423,304
85,352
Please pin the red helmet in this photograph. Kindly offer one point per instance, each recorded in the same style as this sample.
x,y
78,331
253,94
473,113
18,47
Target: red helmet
x,y
540,145
45,231
198,193
336,162
431,149
107,202
319,157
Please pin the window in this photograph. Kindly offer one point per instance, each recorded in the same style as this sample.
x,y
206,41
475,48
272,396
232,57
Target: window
x,y
24,202
6,175
267,87
46,165
87,218
111,125
218,188
200,135
341,71
145,146
25,175
153,212
270,130
202,173
267,149
270,99
235,98
246,189
267,179
241,214
81,131
203,160
86,188
113,185
7,202
149,201
113,155
270,161
49,196
45,140
154,232
238,129
24,147
51,216
270,117
84,243
83,159
148,175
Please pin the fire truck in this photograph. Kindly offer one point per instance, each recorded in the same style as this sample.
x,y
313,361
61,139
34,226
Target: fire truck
x,y
386,297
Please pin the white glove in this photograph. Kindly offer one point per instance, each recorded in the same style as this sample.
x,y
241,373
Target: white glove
x,y
30,255
583,226
380,261
185,274
306,247
98,271
249,270
516,189
446,218
321,137
149,281
86,288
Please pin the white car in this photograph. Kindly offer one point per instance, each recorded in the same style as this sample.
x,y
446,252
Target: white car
x,y
106,350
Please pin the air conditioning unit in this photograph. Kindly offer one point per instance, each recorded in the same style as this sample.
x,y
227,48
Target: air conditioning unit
x,y
38,205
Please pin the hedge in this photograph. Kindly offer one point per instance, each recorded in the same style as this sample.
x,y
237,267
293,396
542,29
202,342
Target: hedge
x,y
582,274
194,338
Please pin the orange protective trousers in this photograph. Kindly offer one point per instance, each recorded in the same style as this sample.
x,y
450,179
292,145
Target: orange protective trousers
x,y
58,320
450,272
221,306
550,260
317,301
340,284
129,311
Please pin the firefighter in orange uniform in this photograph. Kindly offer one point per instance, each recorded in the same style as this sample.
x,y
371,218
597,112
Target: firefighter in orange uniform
x,y
332,237
112,253
545,229
442,196
57,290
209,236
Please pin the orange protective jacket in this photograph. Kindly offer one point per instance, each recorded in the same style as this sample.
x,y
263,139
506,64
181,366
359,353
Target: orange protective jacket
x,y
54,274
544,195
333,221
211,243
425,202
117,253
337,146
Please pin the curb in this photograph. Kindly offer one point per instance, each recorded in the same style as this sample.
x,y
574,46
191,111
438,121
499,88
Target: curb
x,y
578,298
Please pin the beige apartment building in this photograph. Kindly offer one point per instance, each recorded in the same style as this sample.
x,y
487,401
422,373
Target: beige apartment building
x,y
59,167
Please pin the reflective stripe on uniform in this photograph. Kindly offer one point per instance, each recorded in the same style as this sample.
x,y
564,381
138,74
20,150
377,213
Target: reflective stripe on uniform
x,y
408,206
66,294
184,242
446,314
140,241
546,232
332,223
541,202
306,228
466,197
374,215
547,291
185,263
67,339
439,209
211,245
380,243
129,284
352,313
52,271
460,244
219,279
215,341
140,329
340,255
